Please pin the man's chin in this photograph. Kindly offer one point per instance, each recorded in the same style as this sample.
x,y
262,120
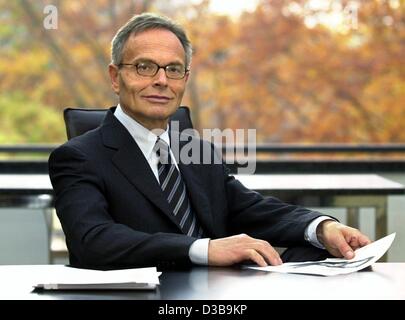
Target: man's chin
x,y
161,112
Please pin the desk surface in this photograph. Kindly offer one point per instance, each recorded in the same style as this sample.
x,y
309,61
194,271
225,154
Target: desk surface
x,y
385,281
15,184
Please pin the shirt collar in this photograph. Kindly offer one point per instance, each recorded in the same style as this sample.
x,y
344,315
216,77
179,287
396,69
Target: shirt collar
x,y
145,138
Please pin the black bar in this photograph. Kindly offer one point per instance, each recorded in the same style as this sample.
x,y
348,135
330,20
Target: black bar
x,y
259,148
327,148
28,148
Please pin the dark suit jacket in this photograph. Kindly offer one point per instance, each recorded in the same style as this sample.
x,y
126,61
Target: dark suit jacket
x,y
114,214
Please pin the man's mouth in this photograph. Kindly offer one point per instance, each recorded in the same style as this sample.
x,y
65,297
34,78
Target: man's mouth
x,y
157,98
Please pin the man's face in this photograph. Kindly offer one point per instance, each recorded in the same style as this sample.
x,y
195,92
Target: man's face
x,y
150,100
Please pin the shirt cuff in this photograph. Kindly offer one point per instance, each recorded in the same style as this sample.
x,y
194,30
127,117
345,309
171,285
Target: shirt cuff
x,y
310,231
198,251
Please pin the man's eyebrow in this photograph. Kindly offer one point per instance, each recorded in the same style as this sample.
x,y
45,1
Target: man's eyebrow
x,y
143,60
151,60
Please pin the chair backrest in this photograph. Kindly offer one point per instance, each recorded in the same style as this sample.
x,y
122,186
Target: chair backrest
x,y
81,120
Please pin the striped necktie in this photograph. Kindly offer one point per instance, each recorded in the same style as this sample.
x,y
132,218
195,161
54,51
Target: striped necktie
x,y
175,191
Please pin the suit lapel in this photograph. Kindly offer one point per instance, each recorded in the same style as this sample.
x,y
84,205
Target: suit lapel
x,y
130,160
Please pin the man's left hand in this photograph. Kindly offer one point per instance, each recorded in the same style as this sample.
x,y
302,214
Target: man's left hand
x,y
340,240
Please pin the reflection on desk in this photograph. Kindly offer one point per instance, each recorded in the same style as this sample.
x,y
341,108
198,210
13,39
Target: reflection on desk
x,y
385,281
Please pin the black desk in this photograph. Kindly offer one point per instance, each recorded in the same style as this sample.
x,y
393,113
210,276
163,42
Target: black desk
x,y
385,281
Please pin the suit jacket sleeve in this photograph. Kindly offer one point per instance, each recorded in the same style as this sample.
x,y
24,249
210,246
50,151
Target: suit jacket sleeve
x,y
266,218
94,239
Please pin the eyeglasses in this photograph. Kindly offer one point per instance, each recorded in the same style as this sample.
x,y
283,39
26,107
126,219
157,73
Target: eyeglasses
x,y
150,69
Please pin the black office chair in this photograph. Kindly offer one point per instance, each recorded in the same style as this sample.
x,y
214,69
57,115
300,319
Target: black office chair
x,y
80,120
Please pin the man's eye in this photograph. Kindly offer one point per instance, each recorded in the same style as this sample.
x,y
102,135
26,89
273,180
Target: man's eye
x,y
144,66
174,69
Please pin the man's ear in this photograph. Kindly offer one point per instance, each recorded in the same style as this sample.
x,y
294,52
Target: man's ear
x,y
187,76
115,82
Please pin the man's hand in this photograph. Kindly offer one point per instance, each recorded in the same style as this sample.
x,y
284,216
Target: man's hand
x,y
340,240
235,249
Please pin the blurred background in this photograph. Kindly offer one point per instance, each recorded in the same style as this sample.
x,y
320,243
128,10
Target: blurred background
x,y
307,73
298,71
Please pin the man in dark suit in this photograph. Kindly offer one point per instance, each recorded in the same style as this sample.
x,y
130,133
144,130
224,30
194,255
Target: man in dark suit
x,y
125,200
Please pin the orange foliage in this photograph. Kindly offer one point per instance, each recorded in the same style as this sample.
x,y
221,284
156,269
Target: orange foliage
x,y
266,70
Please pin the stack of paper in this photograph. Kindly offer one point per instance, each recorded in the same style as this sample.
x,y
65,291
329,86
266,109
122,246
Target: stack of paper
x,y
60,277
363,258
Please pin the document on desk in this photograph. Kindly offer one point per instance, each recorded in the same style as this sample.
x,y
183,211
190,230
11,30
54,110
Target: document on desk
x,y
363,258
59,277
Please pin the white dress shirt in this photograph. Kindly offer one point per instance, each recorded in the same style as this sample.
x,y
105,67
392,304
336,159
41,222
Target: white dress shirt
x,y
146,140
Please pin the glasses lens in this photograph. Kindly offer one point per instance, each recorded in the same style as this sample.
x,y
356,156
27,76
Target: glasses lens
x,y
146,68
175,71
149,69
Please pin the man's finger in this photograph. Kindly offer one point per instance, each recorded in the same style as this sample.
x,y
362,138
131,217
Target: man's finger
x,y
256,257
354,242
344,248
363,240
268,252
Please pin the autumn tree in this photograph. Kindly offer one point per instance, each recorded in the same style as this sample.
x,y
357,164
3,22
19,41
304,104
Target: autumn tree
x,y
280,69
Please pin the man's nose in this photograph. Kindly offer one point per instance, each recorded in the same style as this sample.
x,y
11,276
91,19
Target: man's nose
x,y
160,77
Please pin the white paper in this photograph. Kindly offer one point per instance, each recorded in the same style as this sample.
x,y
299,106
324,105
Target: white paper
x,y
60,277
363,258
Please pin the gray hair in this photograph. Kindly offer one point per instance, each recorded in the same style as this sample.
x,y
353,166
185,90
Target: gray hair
x,y
143,22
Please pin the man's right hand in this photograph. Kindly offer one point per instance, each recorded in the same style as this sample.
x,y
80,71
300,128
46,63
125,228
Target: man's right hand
x,y
235,249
